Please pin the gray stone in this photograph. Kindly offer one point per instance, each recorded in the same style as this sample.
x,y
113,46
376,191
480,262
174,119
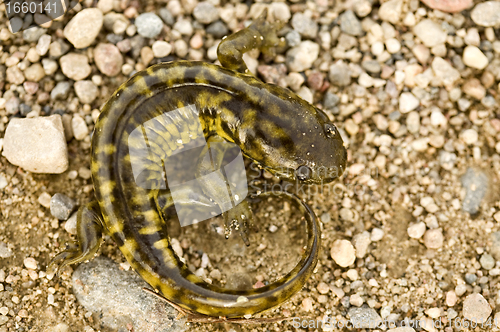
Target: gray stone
x,y
340,74
117,299
61,206
166,16
304,25
5,252
84,27
12,105
475,183
371,66
33,34
350,24
36,144
60,91
486,14
364,317
86,91
330,101
293,38
301,57
205,12
149,25
218,29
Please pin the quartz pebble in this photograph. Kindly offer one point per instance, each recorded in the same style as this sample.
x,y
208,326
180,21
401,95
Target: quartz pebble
x,y
149,25
408,102
84,27
86,91
80,129
476,308
343,253
417,230
37,144
75,66
430,33
473,57
363,317
486,14
301,57
433,238
161,49
205,12
391,11
30,263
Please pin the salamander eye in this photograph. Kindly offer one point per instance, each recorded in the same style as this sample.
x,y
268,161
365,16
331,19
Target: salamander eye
x,y
331,130
303,173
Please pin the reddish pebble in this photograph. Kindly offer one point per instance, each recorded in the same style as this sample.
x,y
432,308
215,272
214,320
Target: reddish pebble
x,y
258,284
30,87
315,80
449,6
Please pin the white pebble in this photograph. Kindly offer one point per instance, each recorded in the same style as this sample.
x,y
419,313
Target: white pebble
x,y
474,57
161,48
376,235
30,263
343,253
416,231
469,136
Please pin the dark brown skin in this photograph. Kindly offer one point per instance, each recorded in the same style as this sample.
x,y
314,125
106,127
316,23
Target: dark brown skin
x,y
271,125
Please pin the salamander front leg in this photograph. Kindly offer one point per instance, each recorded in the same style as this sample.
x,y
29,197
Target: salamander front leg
x,y
238,218
260,34
89,237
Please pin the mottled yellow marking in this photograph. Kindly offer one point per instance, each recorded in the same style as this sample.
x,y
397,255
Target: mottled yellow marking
x,y
106,187
149,230
161,244
193,278
115,228
140,86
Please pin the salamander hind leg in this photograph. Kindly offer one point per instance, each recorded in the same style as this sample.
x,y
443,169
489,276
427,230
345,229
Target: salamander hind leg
x,y
260,34
89,236
238,218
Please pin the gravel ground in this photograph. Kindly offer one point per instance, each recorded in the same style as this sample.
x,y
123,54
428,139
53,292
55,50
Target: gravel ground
x,y
410,233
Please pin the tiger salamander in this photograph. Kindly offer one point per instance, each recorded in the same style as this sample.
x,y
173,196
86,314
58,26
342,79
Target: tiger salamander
x,y
271,125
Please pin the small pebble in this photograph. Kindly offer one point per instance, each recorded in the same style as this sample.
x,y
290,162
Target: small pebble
x,y
108,59
449,6
474,57
75,66
476,308
161,49
487,261
451,298
149,25
60,91
408,102
417,230
363,317
30,263
61,206
5,252
430,33
304,25
70,225
350,24
86,91
475,183
486,14
36,144
79,126
205,12
84,27
390,11
433,238
470,278
376,235
44,199
343,253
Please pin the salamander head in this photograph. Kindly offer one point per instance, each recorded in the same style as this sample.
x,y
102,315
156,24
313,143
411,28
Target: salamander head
x,y
302,145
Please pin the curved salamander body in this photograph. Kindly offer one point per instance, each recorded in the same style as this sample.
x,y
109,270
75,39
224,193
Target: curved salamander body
x,y
160,111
